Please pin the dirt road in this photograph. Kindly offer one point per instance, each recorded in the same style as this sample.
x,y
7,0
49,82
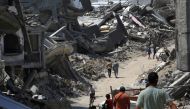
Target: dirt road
x,y
128,73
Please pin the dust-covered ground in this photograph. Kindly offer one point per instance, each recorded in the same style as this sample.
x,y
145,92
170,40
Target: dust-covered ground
x,y
128,72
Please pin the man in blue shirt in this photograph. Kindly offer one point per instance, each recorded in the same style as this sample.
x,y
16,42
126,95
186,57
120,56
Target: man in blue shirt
x,y
152,97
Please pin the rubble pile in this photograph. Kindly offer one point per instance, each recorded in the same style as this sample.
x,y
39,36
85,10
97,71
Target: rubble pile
x,y
40,103
46,41
89,67
174,81
93,67
177,84
142,23
57,88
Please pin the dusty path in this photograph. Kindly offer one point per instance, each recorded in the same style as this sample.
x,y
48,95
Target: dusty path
x,y
128,73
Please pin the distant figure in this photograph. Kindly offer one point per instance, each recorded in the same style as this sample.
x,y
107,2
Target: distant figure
x,y
154,51
149,52
108,103
116,68
121,100
92,95
109,67
152,97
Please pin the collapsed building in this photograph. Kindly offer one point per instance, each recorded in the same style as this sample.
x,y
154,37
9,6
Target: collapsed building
x,y
176,80
24,51
30,51
36,41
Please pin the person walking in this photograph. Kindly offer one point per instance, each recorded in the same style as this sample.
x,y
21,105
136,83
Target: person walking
x,y
108,103
121,100
116,68
109,67
149,52
154,51
152,97
92,95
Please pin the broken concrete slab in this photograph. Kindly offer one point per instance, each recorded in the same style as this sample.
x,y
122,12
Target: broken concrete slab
x,y
115,7
179,92
8,21
106,18
160,66
181,80
34,89
136,21
109,42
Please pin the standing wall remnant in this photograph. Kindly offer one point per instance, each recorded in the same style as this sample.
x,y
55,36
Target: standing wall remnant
x,y
183,35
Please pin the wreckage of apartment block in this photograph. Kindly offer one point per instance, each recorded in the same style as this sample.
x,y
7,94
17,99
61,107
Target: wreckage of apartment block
x,y
20,48
28,50
23,46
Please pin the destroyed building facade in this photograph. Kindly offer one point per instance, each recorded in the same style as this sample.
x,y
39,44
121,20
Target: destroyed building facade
x,y
37,37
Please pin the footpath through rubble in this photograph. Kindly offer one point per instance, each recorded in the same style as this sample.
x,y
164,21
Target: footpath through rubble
x,y
76,55
128,72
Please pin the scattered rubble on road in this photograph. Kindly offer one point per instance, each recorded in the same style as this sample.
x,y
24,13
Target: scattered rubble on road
x,y
58,48
174,81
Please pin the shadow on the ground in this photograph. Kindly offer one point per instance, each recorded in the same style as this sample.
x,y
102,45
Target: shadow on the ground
x,y
120,77
98,97
78,107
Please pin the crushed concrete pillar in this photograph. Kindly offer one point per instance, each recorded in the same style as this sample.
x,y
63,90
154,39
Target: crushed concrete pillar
x,y
183,35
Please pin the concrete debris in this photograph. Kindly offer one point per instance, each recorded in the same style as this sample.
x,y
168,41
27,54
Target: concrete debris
x,y
115,7
89,67
34,89
176,83
136,21
182,45
48,53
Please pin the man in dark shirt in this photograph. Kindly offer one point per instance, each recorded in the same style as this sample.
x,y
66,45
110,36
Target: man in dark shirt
x,y
109,67
108,103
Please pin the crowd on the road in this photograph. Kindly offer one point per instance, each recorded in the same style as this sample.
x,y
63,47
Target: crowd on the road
x,y
150,98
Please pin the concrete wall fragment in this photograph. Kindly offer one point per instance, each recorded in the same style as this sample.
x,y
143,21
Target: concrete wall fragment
x,y
183,35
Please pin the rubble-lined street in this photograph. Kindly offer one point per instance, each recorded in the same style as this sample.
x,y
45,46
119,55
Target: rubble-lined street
x,y
60,54
133,67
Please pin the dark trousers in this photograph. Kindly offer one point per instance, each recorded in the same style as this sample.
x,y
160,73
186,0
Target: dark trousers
x,y
154,52
116,73
109,73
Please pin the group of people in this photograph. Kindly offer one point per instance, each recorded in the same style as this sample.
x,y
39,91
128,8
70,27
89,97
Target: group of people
x,y
121,100
149,51
150,98
114,66
164,53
